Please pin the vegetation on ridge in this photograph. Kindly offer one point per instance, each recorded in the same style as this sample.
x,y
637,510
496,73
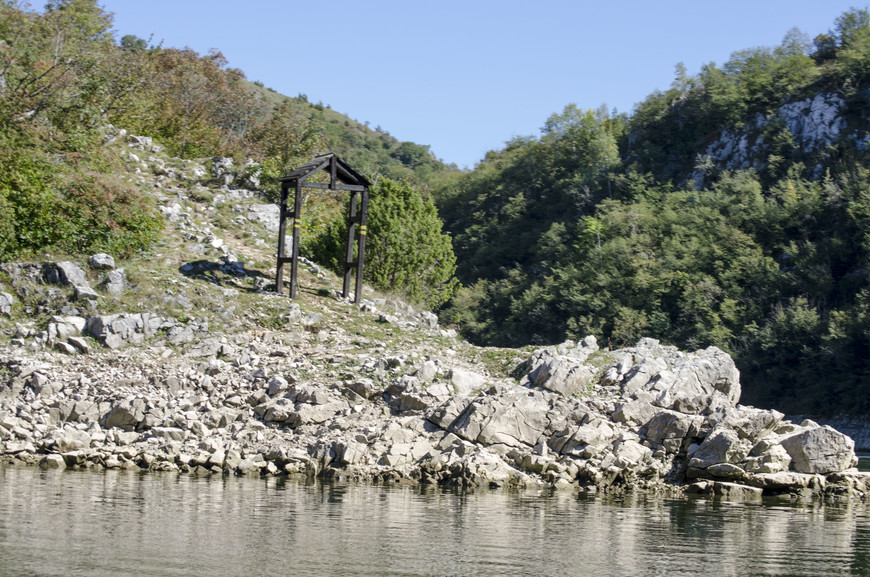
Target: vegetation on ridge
x,y
64,80
655,225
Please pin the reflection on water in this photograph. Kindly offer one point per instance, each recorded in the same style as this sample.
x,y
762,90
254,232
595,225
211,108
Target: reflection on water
x,y
120,523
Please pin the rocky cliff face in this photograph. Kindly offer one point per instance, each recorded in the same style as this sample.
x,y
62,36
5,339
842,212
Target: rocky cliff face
x,y
812,125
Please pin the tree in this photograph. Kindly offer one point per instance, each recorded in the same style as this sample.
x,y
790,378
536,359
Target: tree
x,y
850,23
133,42
406,250
286,140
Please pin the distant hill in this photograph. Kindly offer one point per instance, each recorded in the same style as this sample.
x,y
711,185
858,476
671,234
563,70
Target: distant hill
x,y
373,151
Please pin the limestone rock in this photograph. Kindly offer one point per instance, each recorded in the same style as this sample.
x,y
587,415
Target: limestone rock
x,y
698,383
635,412
101,261
562,374
85,293
820,450
513,419
52,461
721,446
60,328
119,329
736,492
669,424
6,302
464,382
125,415
64,273
116,282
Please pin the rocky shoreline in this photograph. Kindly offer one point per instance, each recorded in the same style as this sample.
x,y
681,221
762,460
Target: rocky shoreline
x,y
186,360
330,405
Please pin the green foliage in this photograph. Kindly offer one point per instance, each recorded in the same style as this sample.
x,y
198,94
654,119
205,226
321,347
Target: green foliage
x,y
107,214
48,205
626,227
62,78
406,250
133,42
287,140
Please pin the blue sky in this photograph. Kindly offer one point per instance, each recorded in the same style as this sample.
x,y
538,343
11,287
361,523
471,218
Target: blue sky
x,y
466,76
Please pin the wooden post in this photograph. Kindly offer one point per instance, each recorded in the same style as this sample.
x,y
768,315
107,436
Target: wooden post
x,y
341,178
282,229
294,250
363,218
351,239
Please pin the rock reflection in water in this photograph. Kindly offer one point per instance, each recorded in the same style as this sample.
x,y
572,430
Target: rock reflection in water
x,y
117,523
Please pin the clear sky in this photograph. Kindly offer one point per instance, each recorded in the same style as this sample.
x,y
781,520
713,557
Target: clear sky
x,y
466,76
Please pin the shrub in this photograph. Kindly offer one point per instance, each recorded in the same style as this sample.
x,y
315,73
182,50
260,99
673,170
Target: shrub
x,y
406,251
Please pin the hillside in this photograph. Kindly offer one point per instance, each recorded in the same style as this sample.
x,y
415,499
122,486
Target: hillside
x,y
185,360
730,210
64,78
141,329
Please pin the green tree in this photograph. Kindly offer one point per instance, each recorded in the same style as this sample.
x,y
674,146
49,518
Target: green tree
x,y
285,141
406,250
133,42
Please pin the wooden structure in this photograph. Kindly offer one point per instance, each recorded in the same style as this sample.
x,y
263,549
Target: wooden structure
x,y
341,177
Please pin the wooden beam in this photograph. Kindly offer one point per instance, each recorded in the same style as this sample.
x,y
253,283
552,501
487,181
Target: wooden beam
x,y
351,239
364,210
282,229
338,186
294,250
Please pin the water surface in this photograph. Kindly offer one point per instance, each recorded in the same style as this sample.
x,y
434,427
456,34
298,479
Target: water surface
x,y
122,523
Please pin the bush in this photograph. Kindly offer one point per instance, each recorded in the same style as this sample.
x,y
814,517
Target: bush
x,y
406,250
90,212
108,214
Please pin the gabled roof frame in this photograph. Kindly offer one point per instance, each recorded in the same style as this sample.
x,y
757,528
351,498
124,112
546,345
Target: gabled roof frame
x,y
342,177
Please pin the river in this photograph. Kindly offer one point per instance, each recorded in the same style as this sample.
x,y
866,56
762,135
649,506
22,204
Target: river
x,y
122,523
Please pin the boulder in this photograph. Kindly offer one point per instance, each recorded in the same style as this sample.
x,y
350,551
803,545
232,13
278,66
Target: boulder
x,y
71,440
276,384
52,461
566,375
60,328
427,371
116,282
641,374
820,450
669,424
722,445
119,329
101,261
126,415
735,492
85,293
6,302
64,273
698,383
516,418
635,412
364,387
772,458
80,344
588,439
465,383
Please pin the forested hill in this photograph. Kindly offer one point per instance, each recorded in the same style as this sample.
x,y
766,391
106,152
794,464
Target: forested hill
x,y
732,209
